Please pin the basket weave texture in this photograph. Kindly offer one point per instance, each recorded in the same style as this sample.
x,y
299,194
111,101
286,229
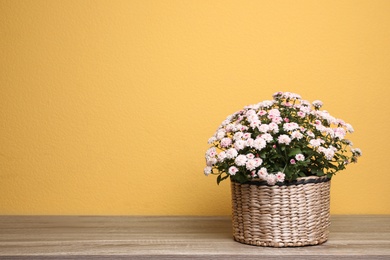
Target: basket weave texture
x,y
285,215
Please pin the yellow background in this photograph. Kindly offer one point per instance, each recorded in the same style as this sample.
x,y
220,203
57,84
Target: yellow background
x,y
107,106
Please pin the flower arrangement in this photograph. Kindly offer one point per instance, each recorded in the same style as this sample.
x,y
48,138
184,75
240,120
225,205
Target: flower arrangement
x,y
280,140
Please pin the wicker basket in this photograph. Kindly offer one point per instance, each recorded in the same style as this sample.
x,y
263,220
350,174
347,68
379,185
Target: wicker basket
x,y
284,215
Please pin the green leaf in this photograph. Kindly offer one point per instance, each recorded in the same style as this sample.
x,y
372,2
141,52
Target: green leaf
x,y
219,179
225,177
294,151
240,178
301,174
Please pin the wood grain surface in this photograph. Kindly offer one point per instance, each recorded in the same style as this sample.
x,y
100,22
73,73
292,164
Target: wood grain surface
x,y
124,237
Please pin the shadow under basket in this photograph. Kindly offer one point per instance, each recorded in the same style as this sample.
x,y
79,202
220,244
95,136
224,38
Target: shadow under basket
x,y
283,215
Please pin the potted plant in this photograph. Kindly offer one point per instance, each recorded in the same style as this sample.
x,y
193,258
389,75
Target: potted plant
x,y
280,155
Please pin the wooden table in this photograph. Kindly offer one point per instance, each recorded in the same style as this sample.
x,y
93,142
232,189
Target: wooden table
x,y
121,237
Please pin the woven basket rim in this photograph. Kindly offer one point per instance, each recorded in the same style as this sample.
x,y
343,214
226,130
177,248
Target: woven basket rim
x,y
298,181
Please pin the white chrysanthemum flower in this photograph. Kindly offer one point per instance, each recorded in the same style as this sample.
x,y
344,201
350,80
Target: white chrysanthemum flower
x,y
277,120
231,153
310,134
305,103
301,114
220,134
243,128
271,179
225,122
274,113
262,113
266,103
262,173
230,128
317,103
273,127
207,170
328,152
255,124
280,177
305,109
315,142
296,135
256,106
287,95
211,161
295,96
340,122
290,126
284,139
239,127
239,144
339,133
320,128
329,131
250,112
212,140
258,161
250,156
211,152
226,142
233,170
356,152
230,117
222,156
300,157
277,95
267,137
240,160
349,128
264,128
251,164
259,143
252,118
326,116
250,142
348,142
238,136
246,135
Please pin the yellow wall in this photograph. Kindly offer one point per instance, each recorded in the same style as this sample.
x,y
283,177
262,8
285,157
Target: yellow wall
x,y
107,106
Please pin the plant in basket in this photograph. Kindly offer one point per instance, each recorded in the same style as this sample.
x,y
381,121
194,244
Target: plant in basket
x,y
280,139
280,155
